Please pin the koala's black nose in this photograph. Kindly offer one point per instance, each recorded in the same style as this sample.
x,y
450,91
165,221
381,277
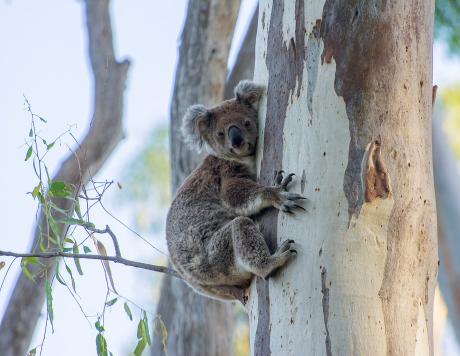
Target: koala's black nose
x,y
236,138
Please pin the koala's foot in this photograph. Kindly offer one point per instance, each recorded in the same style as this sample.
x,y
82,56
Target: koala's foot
x,y
287,201
282,255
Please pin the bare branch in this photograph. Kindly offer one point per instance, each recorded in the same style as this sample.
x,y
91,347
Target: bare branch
x,y
116,259
107,230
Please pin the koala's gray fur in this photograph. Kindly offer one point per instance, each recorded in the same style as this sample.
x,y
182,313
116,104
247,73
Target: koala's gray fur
x,y
213,243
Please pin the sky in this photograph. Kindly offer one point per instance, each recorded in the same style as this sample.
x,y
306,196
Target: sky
x,y
44,57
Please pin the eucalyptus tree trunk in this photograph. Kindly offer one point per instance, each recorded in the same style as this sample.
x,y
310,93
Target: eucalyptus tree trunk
x,y
348,110
196,325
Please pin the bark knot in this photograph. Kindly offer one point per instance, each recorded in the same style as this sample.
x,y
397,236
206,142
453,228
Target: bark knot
x,y
375,176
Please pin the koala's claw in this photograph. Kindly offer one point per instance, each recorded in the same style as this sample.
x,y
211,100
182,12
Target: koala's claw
x,y
281,181
285,246
287,180
279,177
292,196
290,202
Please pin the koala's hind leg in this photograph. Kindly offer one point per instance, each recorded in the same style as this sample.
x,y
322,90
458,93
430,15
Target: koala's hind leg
x,y
251,250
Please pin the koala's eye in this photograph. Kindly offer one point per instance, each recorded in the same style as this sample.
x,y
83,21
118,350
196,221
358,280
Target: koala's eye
x,y
220,134
247,123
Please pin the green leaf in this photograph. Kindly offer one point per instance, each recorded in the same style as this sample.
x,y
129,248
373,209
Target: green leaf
x,y
50,146
47,174
31,132
111,302
60,279
32,352
140,347
69,240
44,142
86,249
36,190
27,273
60,189
41,119
101,345
140,329
49,302
128,311
98,326
69,271
41,197
72,221
78,210
29,153
164,332
55,228
77,260
30,260
146,329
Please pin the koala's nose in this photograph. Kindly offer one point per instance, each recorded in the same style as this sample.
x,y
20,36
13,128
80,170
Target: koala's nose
x,y
236,138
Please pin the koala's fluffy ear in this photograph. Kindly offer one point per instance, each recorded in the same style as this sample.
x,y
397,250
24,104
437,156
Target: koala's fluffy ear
x,y
248,92
194,122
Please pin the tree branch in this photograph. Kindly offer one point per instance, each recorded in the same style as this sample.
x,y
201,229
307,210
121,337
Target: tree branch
x,y
107,230
116,259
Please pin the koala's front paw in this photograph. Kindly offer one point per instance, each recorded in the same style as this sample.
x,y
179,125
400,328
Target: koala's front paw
x,y
287,201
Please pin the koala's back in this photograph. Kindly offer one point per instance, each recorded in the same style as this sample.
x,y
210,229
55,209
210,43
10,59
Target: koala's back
x,y
198,251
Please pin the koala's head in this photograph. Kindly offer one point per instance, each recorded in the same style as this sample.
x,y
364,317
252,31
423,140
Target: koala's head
x,y
228,130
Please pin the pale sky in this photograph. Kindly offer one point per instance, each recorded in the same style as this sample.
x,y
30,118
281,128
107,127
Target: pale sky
x,y
45,58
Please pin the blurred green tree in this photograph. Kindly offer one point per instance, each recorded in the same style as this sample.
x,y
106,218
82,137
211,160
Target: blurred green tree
x,y
146,181
447,24
450,101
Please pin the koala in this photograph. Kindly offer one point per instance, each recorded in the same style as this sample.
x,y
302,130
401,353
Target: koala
x,y
213,243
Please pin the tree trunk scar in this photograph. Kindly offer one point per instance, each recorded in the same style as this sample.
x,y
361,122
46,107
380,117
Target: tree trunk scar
x,y
325,302
375,177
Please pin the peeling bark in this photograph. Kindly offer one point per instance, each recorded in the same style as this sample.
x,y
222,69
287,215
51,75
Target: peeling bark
x,y
340,75
26,302
197,325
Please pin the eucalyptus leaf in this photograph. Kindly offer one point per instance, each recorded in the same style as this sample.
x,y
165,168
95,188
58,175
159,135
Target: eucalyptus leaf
x,y
49,302
76,251
128,311
28,153
101,345
111,302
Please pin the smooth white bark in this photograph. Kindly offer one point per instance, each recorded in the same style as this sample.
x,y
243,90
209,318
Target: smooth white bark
x,y
338,297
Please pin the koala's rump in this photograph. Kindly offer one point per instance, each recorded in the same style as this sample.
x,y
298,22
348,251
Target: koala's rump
x,y
200,245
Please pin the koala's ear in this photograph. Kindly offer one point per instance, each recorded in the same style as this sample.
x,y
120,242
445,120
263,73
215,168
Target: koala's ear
x,y
248,92
194,123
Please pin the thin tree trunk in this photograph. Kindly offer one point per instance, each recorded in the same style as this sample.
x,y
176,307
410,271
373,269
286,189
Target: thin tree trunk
x,y
26,302
447,177
348,109
244,63
197,325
